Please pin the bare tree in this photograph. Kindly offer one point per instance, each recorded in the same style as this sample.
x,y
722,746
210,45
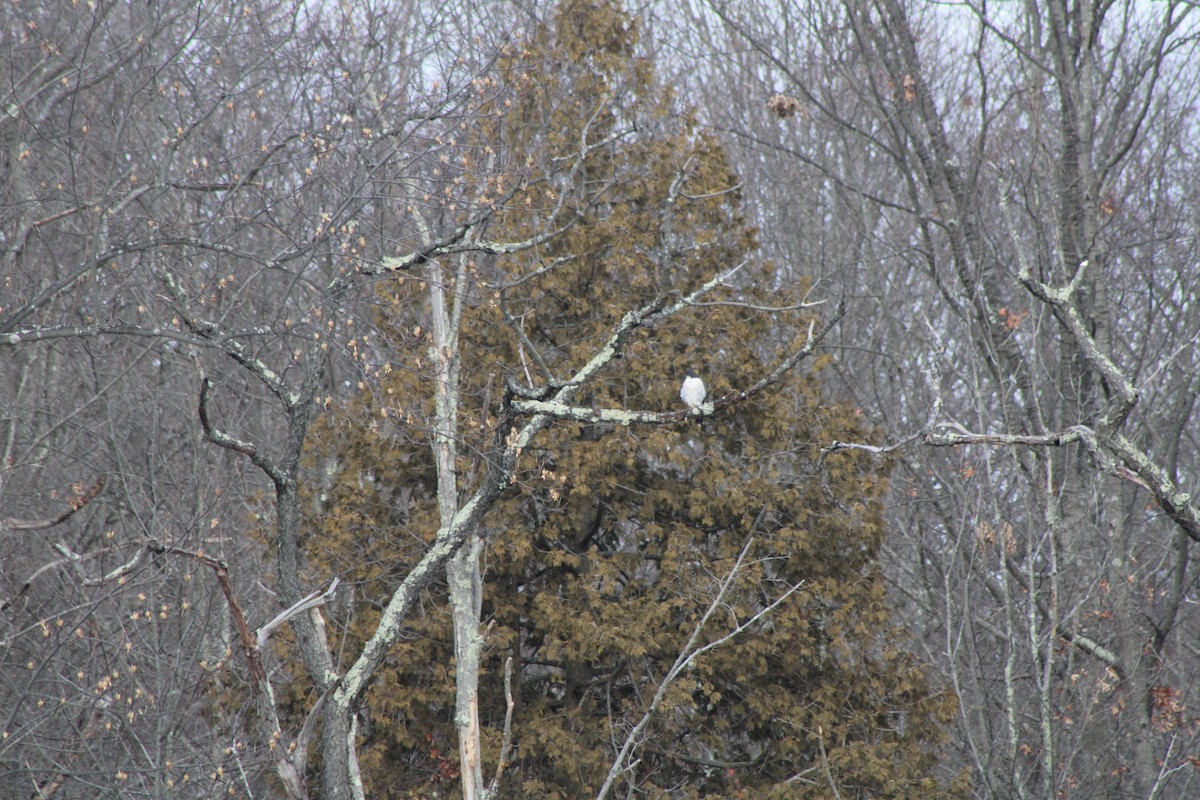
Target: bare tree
x,y
1003,189
184,188
199,205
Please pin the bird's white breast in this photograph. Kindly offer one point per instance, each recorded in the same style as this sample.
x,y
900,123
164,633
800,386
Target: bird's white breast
x,y
692,392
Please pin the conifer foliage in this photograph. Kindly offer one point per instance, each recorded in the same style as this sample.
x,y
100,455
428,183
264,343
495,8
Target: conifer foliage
x,y
614,539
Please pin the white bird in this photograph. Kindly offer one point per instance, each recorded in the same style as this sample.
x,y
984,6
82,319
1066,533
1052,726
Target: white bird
x,y
692,393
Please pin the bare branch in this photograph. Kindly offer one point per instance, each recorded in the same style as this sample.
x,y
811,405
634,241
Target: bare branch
x,y
222,439
207,329
314,599
1139,470
811,340
27,335
878,450
687,656
615,415
1177,503
507,738
289,761
825,769
81,499
1062,301
118,572
1044,440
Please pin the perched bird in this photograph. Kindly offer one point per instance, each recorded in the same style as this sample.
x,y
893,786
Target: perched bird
x,y
692,392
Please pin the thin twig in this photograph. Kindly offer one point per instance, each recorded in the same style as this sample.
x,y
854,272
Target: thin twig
x,y
687,656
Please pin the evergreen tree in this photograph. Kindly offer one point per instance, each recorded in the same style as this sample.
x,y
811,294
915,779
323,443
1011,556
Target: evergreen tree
x,y
602,556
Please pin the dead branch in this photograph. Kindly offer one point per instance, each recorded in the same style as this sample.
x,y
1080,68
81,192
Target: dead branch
x,y
312,600
687,656
81,499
